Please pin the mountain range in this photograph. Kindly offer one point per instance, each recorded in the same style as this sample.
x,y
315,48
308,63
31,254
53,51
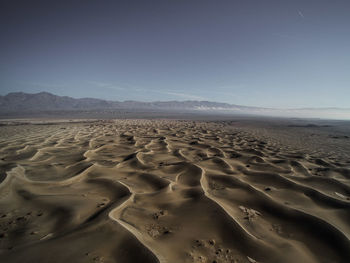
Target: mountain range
x,y
44,101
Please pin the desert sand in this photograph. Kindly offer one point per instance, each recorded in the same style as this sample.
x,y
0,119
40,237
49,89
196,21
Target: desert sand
x,y
173,191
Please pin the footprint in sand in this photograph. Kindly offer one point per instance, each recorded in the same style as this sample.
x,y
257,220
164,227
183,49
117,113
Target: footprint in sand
x,y
249,213
212,252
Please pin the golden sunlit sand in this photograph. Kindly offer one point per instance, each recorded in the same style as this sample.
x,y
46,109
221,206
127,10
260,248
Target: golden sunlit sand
x,y
168,191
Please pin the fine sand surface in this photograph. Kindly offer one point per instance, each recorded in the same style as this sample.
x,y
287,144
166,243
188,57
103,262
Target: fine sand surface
x,y
174,191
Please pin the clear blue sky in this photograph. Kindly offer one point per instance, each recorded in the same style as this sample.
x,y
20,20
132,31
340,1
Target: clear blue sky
x,y
261,53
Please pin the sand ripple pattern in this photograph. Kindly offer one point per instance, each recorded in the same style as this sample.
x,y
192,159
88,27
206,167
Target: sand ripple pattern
x,y
167,191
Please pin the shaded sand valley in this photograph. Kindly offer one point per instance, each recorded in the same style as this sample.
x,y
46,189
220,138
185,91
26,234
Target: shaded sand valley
x,y
173,191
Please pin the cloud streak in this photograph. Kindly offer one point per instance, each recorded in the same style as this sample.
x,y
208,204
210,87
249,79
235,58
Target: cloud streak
x,y
184,95
98,84
132,88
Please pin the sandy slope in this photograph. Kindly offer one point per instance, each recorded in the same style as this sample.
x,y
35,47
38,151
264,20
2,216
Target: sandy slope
x,y
168,191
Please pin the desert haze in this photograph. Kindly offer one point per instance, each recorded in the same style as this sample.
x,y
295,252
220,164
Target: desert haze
x,y
138,190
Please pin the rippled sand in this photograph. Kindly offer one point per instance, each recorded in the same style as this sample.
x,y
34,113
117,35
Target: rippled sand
x,y
169,191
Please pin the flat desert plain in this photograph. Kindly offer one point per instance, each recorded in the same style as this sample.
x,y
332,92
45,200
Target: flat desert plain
x,y
174,191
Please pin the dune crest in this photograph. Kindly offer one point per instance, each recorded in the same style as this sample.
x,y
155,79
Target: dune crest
x,y
168,191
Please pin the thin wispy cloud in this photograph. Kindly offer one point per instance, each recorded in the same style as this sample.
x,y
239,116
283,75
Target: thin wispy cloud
x,y
185,95
98,84
133,88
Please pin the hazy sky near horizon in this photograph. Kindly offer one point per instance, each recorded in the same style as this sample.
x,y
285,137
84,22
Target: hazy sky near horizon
x,y
260,53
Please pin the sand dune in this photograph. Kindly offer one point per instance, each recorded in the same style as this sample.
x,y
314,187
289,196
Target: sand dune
x,y
170,191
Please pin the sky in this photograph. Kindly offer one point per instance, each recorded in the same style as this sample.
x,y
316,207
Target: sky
x,y
282,54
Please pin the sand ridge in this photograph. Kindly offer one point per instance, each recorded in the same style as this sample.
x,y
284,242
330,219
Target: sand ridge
x,y
167,191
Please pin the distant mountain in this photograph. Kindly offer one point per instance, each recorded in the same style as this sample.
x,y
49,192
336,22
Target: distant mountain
x,y
17,102
44,101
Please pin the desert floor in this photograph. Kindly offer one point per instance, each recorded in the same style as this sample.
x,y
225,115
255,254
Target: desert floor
x,y
174,191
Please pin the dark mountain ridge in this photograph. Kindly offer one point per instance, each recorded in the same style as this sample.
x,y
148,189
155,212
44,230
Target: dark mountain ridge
x,y
20,102
44,101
